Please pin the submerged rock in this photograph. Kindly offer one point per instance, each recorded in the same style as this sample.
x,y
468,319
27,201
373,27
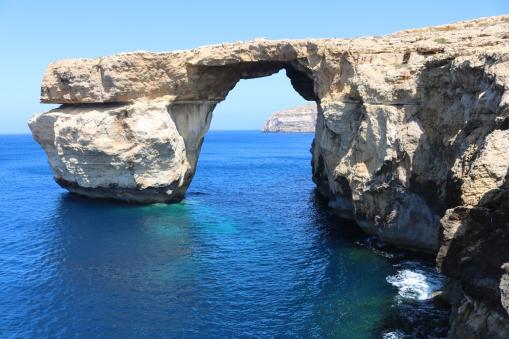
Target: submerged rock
x,y
412,137
297,119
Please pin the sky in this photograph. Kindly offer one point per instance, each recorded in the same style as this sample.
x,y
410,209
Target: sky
x,y
35,33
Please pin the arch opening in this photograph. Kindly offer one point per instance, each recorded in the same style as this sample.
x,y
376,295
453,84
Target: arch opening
x,y
219,85
215,82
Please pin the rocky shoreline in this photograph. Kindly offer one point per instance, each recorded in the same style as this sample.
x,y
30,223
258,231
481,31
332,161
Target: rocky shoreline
x,y
411,141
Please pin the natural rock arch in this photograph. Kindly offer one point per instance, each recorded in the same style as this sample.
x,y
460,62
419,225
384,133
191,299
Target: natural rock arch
x,y
192,118
412,137
131,125
150,133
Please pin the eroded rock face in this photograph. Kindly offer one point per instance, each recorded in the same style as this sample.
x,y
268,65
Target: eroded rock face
x,y
145,151
411,138
475,255
296,119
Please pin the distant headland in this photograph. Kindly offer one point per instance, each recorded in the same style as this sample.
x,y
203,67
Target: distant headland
x,y
297,119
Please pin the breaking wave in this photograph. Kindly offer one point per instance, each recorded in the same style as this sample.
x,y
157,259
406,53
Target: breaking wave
x,y
416,282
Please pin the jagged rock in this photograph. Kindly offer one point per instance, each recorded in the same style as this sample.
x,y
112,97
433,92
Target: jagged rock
x,y
411,137
475,320
475,255
297,119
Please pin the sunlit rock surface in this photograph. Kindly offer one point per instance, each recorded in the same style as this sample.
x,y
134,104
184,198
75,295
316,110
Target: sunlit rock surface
x,y
296,119
145,151
411,137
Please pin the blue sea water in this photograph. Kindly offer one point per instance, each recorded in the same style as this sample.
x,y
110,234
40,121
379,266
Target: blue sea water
x,y
251,252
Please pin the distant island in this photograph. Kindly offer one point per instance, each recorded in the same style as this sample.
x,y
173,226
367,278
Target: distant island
x,y
296,119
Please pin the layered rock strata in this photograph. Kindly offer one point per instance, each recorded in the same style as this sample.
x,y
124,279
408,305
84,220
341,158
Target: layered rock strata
x,y
144,151
297,119
411,137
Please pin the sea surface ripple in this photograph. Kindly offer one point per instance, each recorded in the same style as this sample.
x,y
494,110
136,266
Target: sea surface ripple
x,y
251,252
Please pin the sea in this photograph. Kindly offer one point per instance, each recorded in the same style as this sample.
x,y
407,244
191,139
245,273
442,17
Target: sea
x,y
251,252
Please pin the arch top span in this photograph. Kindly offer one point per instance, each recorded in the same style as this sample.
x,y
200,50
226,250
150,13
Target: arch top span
x,y
206,73
216,81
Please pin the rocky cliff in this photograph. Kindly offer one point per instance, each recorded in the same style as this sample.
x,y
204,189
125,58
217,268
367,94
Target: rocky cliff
x,y
412,138
296,119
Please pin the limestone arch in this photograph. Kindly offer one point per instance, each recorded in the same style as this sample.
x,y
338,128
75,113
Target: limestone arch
x,y
192,117
147,138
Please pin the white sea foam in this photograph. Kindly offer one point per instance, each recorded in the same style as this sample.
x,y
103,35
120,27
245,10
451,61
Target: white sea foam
x,y
414,282
393,335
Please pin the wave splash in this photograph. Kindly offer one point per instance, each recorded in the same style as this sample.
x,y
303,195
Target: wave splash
x,y
415,281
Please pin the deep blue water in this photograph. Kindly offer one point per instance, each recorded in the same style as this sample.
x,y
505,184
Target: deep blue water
x,y
251,252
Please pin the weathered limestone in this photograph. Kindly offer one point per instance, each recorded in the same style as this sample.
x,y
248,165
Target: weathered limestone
x,y
145,151
475,256
411,137
296,119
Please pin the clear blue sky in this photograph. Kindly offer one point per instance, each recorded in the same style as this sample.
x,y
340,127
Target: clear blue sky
x,y
35,33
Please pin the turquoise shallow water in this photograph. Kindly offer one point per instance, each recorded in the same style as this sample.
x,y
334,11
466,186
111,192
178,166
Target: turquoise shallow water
x,y
251,252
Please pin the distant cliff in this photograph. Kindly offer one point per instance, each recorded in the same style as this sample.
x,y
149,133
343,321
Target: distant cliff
x,y
296,119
